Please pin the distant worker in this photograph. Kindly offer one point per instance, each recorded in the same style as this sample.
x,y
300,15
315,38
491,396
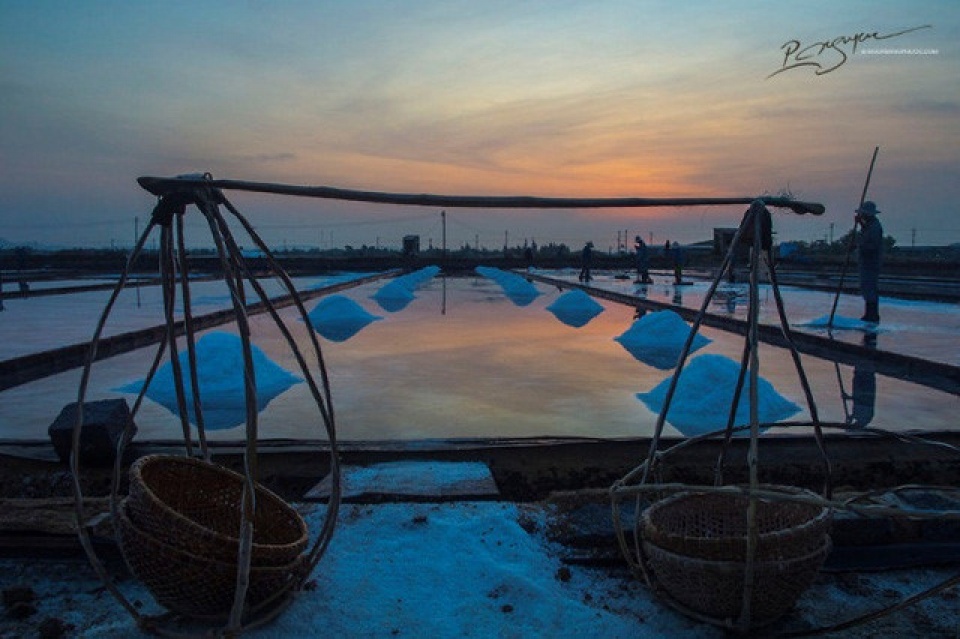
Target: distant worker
x,y
870,244
586,257
643,266
677,254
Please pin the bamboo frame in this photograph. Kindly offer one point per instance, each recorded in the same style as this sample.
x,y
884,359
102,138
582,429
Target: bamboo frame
x,y
625,488
756,225
168,214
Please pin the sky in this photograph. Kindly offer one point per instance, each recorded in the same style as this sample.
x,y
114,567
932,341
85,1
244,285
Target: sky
x,y
640,98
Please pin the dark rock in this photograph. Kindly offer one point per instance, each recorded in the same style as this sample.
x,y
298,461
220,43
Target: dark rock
x,y
53,628
18,594
21,610
104,422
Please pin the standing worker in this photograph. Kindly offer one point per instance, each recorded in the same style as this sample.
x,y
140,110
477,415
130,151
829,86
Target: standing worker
x,y
677,254
643,268
870,245
586,257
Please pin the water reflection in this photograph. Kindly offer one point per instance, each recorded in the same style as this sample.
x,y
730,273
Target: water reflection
x,y
860,403
729,297
338,318
657,339
397,294
393,296
518,289
487,368
575,308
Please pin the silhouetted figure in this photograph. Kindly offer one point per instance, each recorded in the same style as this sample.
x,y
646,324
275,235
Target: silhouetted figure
x,y
677,254
870,245
528,257
643,262
586,258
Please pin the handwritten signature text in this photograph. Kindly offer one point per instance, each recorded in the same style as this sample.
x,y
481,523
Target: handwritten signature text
x,y
829,55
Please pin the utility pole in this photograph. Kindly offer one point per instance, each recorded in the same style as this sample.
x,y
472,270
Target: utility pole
x,y
136,238
913,237
443,224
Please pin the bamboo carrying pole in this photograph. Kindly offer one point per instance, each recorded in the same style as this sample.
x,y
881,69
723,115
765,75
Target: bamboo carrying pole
x,y
162,186
853,238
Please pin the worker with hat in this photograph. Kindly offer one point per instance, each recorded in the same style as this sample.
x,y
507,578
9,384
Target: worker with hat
x,y
870,245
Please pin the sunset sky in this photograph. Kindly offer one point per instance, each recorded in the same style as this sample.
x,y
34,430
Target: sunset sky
x,y
642,98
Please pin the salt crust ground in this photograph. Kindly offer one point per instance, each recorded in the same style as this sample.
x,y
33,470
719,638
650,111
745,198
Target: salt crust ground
x,y
474,569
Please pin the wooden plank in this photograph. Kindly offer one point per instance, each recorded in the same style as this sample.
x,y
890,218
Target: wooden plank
x,y
411,480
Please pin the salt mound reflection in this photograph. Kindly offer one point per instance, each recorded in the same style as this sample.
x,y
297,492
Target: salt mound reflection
x,y
657,339
220,379
519,291
704,393
398,293
339,318
575,308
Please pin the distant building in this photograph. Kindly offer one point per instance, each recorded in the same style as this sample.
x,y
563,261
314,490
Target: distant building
x,y
411,245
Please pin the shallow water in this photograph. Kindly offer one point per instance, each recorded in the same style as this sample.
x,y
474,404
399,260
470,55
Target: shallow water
x,y
929,330
463,360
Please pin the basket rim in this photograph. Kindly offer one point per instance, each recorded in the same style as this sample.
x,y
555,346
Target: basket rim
x,y
822,516
136,474
728,564
125,518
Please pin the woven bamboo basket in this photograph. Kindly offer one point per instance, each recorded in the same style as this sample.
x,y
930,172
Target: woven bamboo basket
x,y
714,526
194,584
695,545
195,506
716,588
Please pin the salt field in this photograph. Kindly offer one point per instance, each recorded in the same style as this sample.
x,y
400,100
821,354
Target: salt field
x,y
485,356
925,329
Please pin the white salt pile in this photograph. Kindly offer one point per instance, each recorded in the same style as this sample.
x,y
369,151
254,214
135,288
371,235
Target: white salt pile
x,y
704,394
520,291
575,308
393,296
657,339
841,323
220,379
338,318
396,294
416,279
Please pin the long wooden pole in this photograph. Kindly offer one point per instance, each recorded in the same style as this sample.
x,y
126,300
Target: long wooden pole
x,y
853,238
162,186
